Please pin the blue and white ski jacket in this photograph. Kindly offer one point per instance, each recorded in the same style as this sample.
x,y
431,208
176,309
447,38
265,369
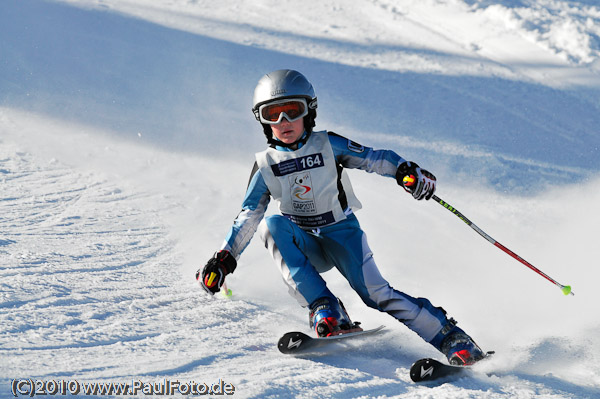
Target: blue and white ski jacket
x,y
308,184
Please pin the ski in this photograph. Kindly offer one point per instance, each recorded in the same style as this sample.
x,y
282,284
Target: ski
x,y
430,369
296,342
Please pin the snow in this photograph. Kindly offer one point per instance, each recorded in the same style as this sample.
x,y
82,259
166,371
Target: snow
x,y
126,141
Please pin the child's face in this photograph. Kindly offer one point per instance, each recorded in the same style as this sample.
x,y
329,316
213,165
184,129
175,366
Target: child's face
x,y
288,132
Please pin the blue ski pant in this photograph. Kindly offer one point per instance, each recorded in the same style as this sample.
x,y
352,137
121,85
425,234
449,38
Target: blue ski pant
x,y
302,255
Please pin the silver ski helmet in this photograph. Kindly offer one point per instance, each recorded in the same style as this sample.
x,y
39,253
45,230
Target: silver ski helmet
x,y
282,84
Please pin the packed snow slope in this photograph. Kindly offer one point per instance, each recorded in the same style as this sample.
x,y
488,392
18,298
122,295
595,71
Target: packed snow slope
x,y
126,141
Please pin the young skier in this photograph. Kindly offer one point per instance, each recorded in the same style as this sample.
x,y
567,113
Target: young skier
x,y
302,170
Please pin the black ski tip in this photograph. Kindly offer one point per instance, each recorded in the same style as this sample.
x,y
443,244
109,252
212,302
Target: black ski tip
x,y
428,369
431,369
422,369
291,342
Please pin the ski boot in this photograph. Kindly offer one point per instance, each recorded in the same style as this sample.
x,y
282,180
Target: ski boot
x,y
457,346
328,317
460,349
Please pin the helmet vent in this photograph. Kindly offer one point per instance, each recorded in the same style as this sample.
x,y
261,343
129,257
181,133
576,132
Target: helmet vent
x,y
278,92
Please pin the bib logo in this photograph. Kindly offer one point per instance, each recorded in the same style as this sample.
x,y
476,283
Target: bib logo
x,y
303,199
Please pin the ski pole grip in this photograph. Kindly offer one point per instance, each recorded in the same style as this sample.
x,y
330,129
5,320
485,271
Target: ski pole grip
x,y
209,281
408,180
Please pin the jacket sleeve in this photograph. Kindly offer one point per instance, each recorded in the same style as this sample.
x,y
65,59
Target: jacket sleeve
x,y
253,210
352,155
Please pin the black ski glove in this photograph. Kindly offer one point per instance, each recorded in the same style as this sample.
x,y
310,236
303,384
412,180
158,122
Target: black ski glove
x,y
418,182
212,276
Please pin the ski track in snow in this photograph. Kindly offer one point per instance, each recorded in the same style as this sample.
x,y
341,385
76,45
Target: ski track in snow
x,y
110,198
90,288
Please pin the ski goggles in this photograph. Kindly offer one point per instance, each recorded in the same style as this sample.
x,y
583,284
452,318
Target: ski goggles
x,y
291,108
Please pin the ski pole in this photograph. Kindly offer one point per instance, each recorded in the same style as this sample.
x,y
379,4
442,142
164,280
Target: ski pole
x,y
566,289
409,180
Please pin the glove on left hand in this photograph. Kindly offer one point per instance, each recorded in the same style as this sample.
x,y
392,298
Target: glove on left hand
x,y
419,182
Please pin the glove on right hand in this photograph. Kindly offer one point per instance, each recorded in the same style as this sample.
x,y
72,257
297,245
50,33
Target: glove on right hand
x,y
213,274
